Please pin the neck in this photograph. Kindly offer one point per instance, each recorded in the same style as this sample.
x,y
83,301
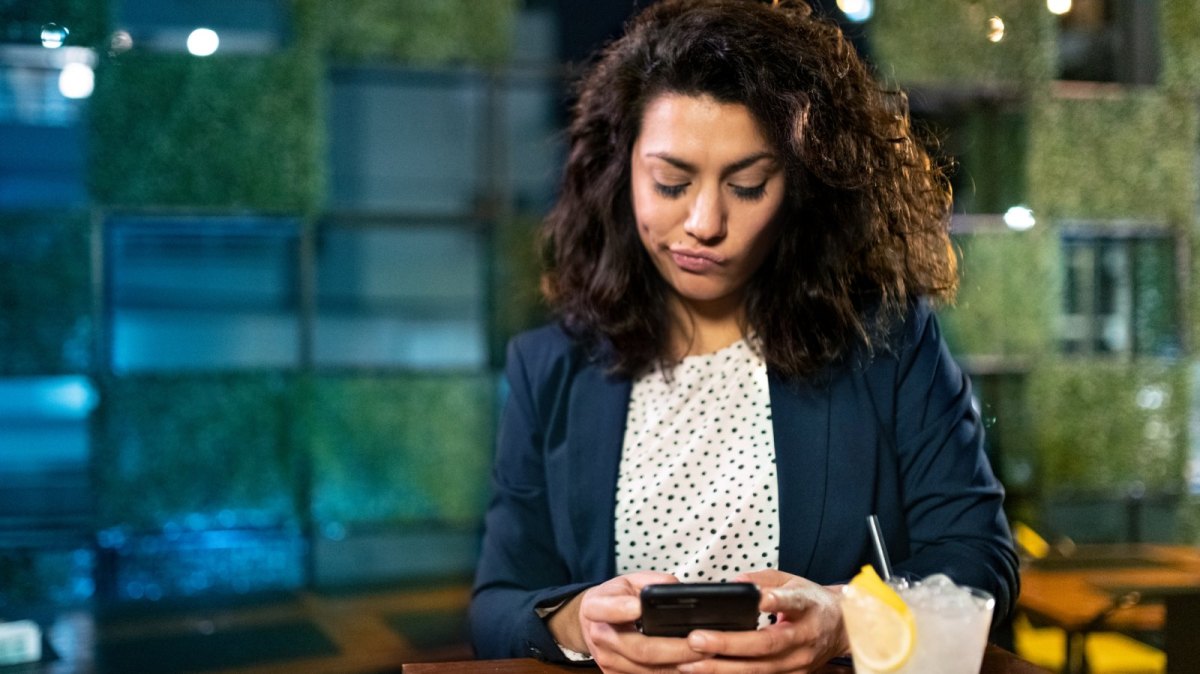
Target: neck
x,y
705,327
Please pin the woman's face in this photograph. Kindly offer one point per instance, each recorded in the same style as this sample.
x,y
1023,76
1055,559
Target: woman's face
x,y
706,189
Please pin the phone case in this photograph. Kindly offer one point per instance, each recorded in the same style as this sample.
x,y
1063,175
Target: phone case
x,y
674,609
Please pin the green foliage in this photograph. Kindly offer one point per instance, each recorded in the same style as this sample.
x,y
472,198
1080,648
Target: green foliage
x,y
401,447
1104,425
45,294
398,448
1191,331
945,41
410,31
1179,24
170,446
517,302
227,132
1189,520
1126,155
1006,294
989,147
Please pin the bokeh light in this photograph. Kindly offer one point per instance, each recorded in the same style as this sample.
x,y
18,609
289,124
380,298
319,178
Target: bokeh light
x,y
995,29
203,42
54,35
857,10
1058,7
1019,218
120,41
77,80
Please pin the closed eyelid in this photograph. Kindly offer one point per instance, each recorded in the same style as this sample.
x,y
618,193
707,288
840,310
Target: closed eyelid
x,y
671,178
755,175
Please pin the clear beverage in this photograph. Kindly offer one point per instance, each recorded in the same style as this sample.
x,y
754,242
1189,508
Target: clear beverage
x,y
951,626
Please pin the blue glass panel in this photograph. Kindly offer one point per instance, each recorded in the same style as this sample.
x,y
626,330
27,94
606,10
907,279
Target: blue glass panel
x,y
203,292
31,91
534,141
41,166
410,296
43,424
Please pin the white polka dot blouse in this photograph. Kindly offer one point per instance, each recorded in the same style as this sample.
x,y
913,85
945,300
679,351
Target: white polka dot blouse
x,y
697,494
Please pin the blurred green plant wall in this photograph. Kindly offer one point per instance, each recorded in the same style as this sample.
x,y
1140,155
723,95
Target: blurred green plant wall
x,y
46,321
1109,155
293,451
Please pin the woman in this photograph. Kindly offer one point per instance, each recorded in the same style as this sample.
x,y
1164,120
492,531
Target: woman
x,y
745,365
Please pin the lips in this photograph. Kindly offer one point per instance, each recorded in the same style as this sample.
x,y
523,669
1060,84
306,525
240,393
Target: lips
x,y
696,261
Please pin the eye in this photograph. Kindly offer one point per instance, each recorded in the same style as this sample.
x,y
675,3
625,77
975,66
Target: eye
x,y
750,193
670,191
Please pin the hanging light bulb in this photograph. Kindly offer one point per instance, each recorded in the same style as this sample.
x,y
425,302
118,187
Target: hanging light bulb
x,y
1019,218
857,10
1058,7
203,42
76,80
54,35
995,29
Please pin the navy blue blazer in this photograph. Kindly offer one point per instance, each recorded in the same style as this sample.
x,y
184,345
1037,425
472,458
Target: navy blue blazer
x,y
897,436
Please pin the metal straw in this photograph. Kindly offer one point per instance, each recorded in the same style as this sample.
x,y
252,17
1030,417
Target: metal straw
x,y
881,556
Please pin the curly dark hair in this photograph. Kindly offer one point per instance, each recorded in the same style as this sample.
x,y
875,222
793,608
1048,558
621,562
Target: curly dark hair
x,y
865,218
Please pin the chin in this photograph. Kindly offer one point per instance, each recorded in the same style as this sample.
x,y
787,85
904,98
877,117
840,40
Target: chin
x,y
703,294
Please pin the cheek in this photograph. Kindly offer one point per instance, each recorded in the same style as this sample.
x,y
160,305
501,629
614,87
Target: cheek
x,y
650,215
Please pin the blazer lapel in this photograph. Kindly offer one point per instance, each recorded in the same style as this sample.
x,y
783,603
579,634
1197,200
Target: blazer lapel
x,y
596,432
800,419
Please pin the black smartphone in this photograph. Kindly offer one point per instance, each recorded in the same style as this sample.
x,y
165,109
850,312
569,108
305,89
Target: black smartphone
x,y
674,609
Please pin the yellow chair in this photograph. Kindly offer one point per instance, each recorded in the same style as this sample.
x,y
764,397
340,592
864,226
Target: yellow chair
x,y
1107,652
1104,652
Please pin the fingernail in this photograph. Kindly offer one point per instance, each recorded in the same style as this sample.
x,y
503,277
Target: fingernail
x,y
697,641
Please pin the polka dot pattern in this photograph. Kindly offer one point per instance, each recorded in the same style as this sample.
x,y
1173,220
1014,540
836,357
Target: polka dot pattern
x,y
697,492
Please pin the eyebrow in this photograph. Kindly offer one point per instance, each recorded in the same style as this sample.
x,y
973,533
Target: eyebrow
x,y
736,166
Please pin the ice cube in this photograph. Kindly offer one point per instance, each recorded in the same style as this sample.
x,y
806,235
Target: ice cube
x,y
938,583
939,593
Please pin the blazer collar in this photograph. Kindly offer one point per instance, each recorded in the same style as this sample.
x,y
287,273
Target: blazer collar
x,y
596,432
800,420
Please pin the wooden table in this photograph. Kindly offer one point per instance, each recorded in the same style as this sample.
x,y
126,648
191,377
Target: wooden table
x,y
1087,591
995,661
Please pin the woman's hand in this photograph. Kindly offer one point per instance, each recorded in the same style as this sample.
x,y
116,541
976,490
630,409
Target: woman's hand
x,y
600,622
807,634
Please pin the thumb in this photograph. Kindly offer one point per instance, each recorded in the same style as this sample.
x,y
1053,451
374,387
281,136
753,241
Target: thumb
x,y
795,598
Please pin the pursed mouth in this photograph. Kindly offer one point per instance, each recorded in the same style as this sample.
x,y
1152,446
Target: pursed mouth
x,y
695,262
697,255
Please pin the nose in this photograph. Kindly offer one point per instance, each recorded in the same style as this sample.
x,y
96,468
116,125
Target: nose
x,y
706,220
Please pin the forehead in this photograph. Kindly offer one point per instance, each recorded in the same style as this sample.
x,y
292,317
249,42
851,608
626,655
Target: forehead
x,y
678,123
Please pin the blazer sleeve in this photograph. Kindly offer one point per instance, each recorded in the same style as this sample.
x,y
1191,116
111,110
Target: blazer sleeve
x,y
953,503
519,568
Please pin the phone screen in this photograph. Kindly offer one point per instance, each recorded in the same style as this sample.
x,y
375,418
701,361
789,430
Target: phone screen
x,y
674,609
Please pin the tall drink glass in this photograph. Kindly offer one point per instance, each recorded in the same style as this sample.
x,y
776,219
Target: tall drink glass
x,y
950,628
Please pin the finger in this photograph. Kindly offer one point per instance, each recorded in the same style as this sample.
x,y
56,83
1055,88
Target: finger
x,y
794,599
603,608
639,579
731,666
765,577
652,651
769,641
631,651
790,665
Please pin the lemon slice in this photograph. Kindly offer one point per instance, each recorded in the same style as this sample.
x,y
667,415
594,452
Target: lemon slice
x,y
881,626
